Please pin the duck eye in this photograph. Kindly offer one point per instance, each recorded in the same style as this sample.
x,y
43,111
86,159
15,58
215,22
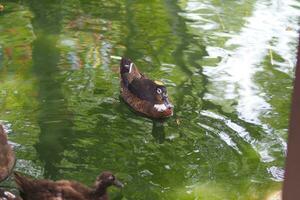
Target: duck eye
x,y
111,178
158,90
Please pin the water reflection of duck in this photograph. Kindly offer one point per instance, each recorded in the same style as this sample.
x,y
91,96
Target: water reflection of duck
x,y
142,94
158,131
63,189
7,156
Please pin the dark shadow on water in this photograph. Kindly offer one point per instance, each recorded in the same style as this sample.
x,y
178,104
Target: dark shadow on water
x,y
54,119
158,131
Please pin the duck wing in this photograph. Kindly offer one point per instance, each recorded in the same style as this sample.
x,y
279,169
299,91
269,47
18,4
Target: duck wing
x,y
50,190
31,189
143,88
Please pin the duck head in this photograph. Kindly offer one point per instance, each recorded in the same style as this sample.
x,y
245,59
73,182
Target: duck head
x,y
106,179
161,96
126,66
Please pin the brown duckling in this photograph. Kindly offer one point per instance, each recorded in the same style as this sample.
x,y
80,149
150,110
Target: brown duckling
x,y
142,94
7,156
64,189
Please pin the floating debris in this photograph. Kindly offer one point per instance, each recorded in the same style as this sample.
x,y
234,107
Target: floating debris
x,y
116,57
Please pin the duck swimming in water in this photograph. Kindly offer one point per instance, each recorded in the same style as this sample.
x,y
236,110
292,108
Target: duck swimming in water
x,y
64,189
142,94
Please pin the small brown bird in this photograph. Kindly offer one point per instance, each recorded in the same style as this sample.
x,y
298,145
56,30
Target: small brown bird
x,y
64,189
7,156
144,95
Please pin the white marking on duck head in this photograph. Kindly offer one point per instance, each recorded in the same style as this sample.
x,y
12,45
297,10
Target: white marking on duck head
x,y
130,67
160,107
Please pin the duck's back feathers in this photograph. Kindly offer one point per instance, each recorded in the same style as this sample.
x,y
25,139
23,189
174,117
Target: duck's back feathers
x,y
23,183
144,107
50,190
144,89
29,190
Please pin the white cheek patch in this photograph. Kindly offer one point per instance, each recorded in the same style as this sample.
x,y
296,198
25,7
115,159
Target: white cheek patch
x,y
160,107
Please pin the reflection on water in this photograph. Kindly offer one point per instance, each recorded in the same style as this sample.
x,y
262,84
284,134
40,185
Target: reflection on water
x,y
265,32
158,131
229,76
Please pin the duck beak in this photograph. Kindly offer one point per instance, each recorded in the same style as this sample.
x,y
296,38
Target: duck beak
x,y
167,103
118,184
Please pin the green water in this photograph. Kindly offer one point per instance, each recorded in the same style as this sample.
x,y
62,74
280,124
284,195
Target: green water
x,y
228,67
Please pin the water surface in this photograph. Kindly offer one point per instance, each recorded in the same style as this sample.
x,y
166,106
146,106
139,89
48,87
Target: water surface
x,y
228,66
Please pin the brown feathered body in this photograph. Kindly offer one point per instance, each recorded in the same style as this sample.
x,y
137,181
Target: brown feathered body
x,y
60,190
7,156
139,92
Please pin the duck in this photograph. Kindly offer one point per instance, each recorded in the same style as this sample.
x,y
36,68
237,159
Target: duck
x,y
148,97
7,156
65,189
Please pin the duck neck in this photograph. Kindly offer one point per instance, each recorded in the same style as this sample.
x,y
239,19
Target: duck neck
x,y
100,189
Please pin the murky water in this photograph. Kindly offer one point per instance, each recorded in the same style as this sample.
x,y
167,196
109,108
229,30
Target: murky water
x,y
228,66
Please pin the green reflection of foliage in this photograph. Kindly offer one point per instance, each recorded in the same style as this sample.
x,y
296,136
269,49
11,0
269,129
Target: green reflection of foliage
x,y
68,90
280,90
17,84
